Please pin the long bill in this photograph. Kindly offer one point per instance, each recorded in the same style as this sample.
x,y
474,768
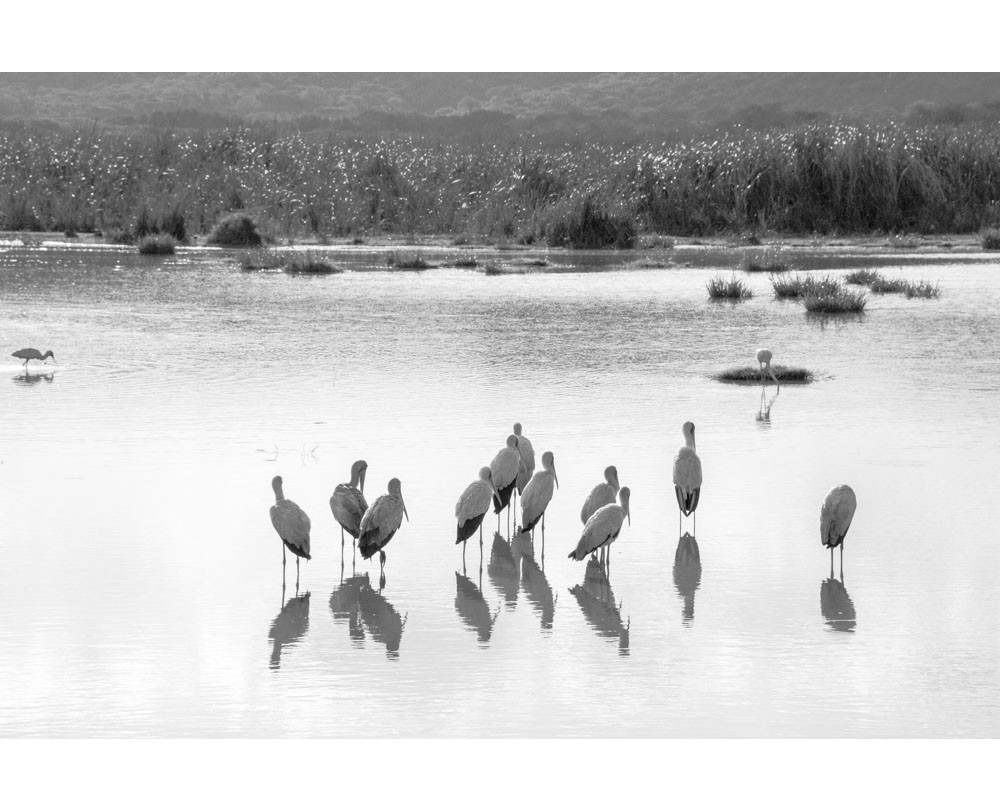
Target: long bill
x,y
361,479
404,508
554,476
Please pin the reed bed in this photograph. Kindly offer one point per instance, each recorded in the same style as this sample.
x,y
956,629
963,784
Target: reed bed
x,y
819,178
883,285
802,285
751,374
406,260
840,301
720,288
865,276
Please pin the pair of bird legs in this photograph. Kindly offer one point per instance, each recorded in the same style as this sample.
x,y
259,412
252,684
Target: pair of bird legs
x,y
603,560
354,546
841,563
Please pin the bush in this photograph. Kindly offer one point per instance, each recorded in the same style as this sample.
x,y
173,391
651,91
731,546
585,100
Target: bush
x,y
173,224
590,227
991,239
235,231
862,276
840,301
157,244
721,288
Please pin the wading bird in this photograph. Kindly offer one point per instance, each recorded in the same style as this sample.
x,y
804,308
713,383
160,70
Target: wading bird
x,y
472,507
380,522
348,503
292,525
32,354
527,452
505,467
835,519
604,493
764,360
603,528
687,473
538,494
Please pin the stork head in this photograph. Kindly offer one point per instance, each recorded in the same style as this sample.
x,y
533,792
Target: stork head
x,y
395,489
611,476
358,471
276,484
689,434
549,463
623,495
517,428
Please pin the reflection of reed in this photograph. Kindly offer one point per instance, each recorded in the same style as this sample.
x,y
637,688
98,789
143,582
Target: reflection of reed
x,y
836,605
687,573
536,586
382,620
289,626
597,602
502,570
344,605
472,608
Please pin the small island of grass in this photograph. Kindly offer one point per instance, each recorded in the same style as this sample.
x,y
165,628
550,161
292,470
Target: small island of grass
x,y
751,374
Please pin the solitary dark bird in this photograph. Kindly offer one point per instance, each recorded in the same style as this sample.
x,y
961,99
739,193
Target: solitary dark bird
x,y
380,522
32,354
472,507
835,519
291,523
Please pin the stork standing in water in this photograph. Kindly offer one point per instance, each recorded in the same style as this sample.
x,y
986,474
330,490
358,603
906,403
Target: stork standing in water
x,y
604,493
603,528
764,360
348,503
472,507
380,522
538,494
504,468
687,473
527,452
292,525
32,354
835,519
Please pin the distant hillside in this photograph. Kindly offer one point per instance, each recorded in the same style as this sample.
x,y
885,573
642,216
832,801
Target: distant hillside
x,y
598,103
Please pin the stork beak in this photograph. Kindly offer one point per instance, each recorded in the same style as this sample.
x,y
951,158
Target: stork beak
x,y
364,472
493,487
404,508
555,475
628,515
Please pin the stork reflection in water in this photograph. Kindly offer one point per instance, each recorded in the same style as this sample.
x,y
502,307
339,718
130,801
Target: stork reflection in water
x,y
836,604
344,606
687,573
503,571
533,581
764,412
382,620
471,607
597,602
289,626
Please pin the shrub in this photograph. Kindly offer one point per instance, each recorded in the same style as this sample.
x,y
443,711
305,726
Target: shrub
x,y
991,239
840,301
590,227
157,244
235,231
862,276
722,288
309,262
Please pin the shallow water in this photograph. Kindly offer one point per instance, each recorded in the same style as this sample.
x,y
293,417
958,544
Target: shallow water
x,y
142,578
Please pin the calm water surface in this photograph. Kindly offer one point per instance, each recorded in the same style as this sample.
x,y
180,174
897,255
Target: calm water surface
x,y
142,584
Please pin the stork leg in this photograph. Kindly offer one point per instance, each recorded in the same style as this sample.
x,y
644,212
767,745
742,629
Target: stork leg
x,y
296,577
341,543
381,557
841,561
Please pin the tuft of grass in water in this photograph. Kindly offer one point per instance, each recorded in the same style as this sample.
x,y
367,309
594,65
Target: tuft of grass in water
x,y
733,288
751,374
401,260
799,286
922,289
309,262
865,276
883,285
991,239
235,231
765,261
157,244
466,261
841,301
259,259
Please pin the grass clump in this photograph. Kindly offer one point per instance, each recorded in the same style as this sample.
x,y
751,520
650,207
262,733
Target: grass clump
x,y
800,286
865,276
401,260
733,288
839,301
235,231
883,285
766,261
922,289
591,227
157,244
991,239
466,261
751,374
309,262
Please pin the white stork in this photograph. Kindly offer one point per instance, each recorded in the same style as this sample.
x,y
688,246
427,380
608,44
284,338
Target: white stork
x,y
380,522
348,503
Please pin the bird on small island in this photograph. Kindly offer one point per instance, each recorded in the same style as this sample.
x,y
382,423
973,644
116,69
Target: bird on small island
x,y
603,493
505,467
32,354
472,507
537,495
348,503
603,528
835,519
687,473
764,360
292,525
380,522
